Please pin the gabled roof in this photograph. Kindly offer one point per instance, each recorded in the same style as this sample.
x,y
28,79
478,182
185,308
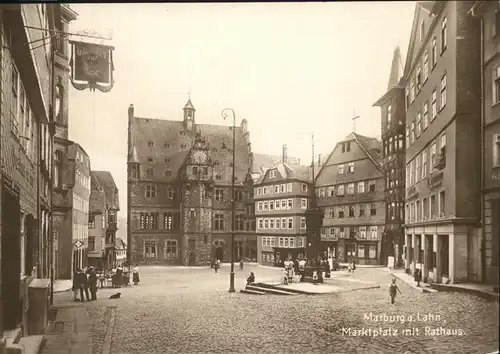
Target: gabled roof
x,y
167,143
372,148
120,244
288,172
97,204
264,161
105,179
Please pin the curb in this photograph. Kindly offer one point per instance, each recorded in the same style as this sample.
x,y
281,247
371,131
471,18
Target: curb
x,y
456,289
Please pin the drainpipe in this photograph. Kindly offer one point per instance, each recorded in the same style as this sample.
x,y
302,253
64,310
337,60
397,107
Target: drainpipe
x,y
482,252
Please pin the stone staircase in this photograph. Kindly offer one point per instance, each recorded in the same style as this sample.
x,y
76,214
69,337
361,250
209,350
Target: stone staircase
x,y
273,289
17,344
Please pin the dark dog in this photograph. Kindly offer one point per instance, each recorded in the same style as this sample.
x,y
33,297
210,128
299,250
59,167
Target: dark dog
x,y
115,296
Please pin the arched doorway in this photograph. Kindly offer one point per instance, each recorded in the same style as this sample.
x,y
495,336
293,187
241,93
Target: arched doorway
x,y
219,253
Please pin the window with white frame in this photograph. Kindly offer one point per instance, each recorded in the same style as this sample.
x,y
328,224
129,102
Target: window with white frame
x,y
389,115
171,249
340,189
264,190
361,251
332,232
444,35
289,203
321,192
149,249
340,169
283,223
271,223
442,146
265,205
290,223
434,52
272,174
277,223
260,223
434,105
412,132
259,190
304,187
282,188
331,191
408,136
361,187
426,66
418,78
283,204
219,195
277,204
303,222
426,115
373,232
422,31
418,125
323,231
496,150
266,223
419,168
350,167
331,213
424,164
362,232
271,205
433,154
341,232
496,84
150,191
407,98
303,203
412,90
259,206
288,187
350,188
443,91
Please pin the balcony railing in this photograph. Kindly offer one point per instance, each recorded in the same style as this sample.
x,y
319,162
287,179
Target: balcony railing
x,y
435,179
440,160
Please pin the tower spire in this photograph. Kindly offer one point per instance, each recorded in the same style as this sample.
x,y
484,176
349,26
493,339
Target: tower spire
x,y
354,121
312,160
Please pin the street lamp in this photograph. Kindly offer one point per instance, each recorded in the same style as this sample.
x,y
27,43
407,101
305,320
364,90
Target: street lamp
x,y
225,112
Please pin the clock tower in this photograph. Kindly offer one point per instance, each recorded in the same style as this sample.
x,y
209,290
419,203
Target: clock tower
x,y
197,193
189,111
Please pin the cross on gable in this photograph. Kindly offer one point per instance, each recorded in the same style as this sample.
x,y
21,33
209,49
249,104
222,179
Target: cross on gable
x,y
354,122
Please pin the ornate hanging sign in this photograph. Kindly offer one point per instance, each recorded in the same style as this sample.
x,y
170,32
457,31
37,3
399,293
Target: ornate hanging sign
x,y
91,66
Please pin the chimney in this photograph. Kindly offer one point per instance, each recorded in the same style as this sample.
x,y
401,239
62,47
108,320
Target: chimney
x,y
131,111
319,160
285,154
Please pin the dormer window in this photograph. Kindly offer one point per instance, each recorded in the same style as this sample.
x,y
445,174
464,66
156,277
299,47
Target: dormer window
x,y
272,174
150,144
150,158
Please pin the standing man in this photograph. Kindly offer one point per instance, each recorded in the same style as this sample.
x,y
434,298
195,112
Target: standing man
x,y
76,284
93,284
84,286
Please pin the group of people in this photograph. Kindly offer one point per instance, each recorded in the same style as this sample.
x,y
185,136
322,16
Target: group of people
x,y
85,282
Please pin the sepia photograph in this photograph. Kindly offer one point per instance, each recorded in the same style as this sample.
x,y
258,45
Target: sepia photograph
x,y
250,177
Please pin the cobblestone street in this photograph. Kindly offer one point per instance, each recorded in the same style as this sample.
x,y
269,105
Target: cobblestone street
x,y
176,310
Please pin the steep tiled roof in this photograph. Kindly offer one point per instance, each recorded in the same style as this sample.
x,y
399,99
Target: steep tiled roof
x,y
189,105
288,171
265,161
158,144
105,179
396,69
371,146
97,197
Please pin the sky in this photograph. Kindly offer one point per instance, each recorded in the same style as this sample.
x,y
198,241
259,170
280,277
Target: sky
x,y
291,69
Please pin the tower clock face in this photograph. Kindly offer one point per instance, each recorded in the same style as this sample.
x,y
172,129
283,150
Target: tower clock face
x,y
199,157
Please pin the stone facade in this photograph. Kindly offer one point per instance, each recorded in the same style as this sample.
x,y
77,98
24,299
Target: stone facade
x,y
350,188
488,12
443,139
174,167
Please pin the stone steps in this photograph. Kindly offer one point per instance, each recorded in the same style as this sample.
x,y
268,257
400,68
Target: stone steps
x,y
269,290
253,292
281,288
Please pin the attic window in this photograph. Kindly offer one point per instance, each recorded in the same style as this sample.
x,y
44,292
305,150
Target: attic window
x,y
149,172
150,158
168,173
150,144
272,174
167,145
183,146
183,132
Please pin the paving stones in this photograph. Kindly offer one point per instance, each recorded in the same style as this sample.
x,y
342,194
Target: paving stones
x,y
190,311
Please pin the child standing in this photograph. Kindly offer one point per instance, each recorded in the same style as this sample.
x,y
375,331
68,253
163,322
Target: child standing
x,y
393,289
